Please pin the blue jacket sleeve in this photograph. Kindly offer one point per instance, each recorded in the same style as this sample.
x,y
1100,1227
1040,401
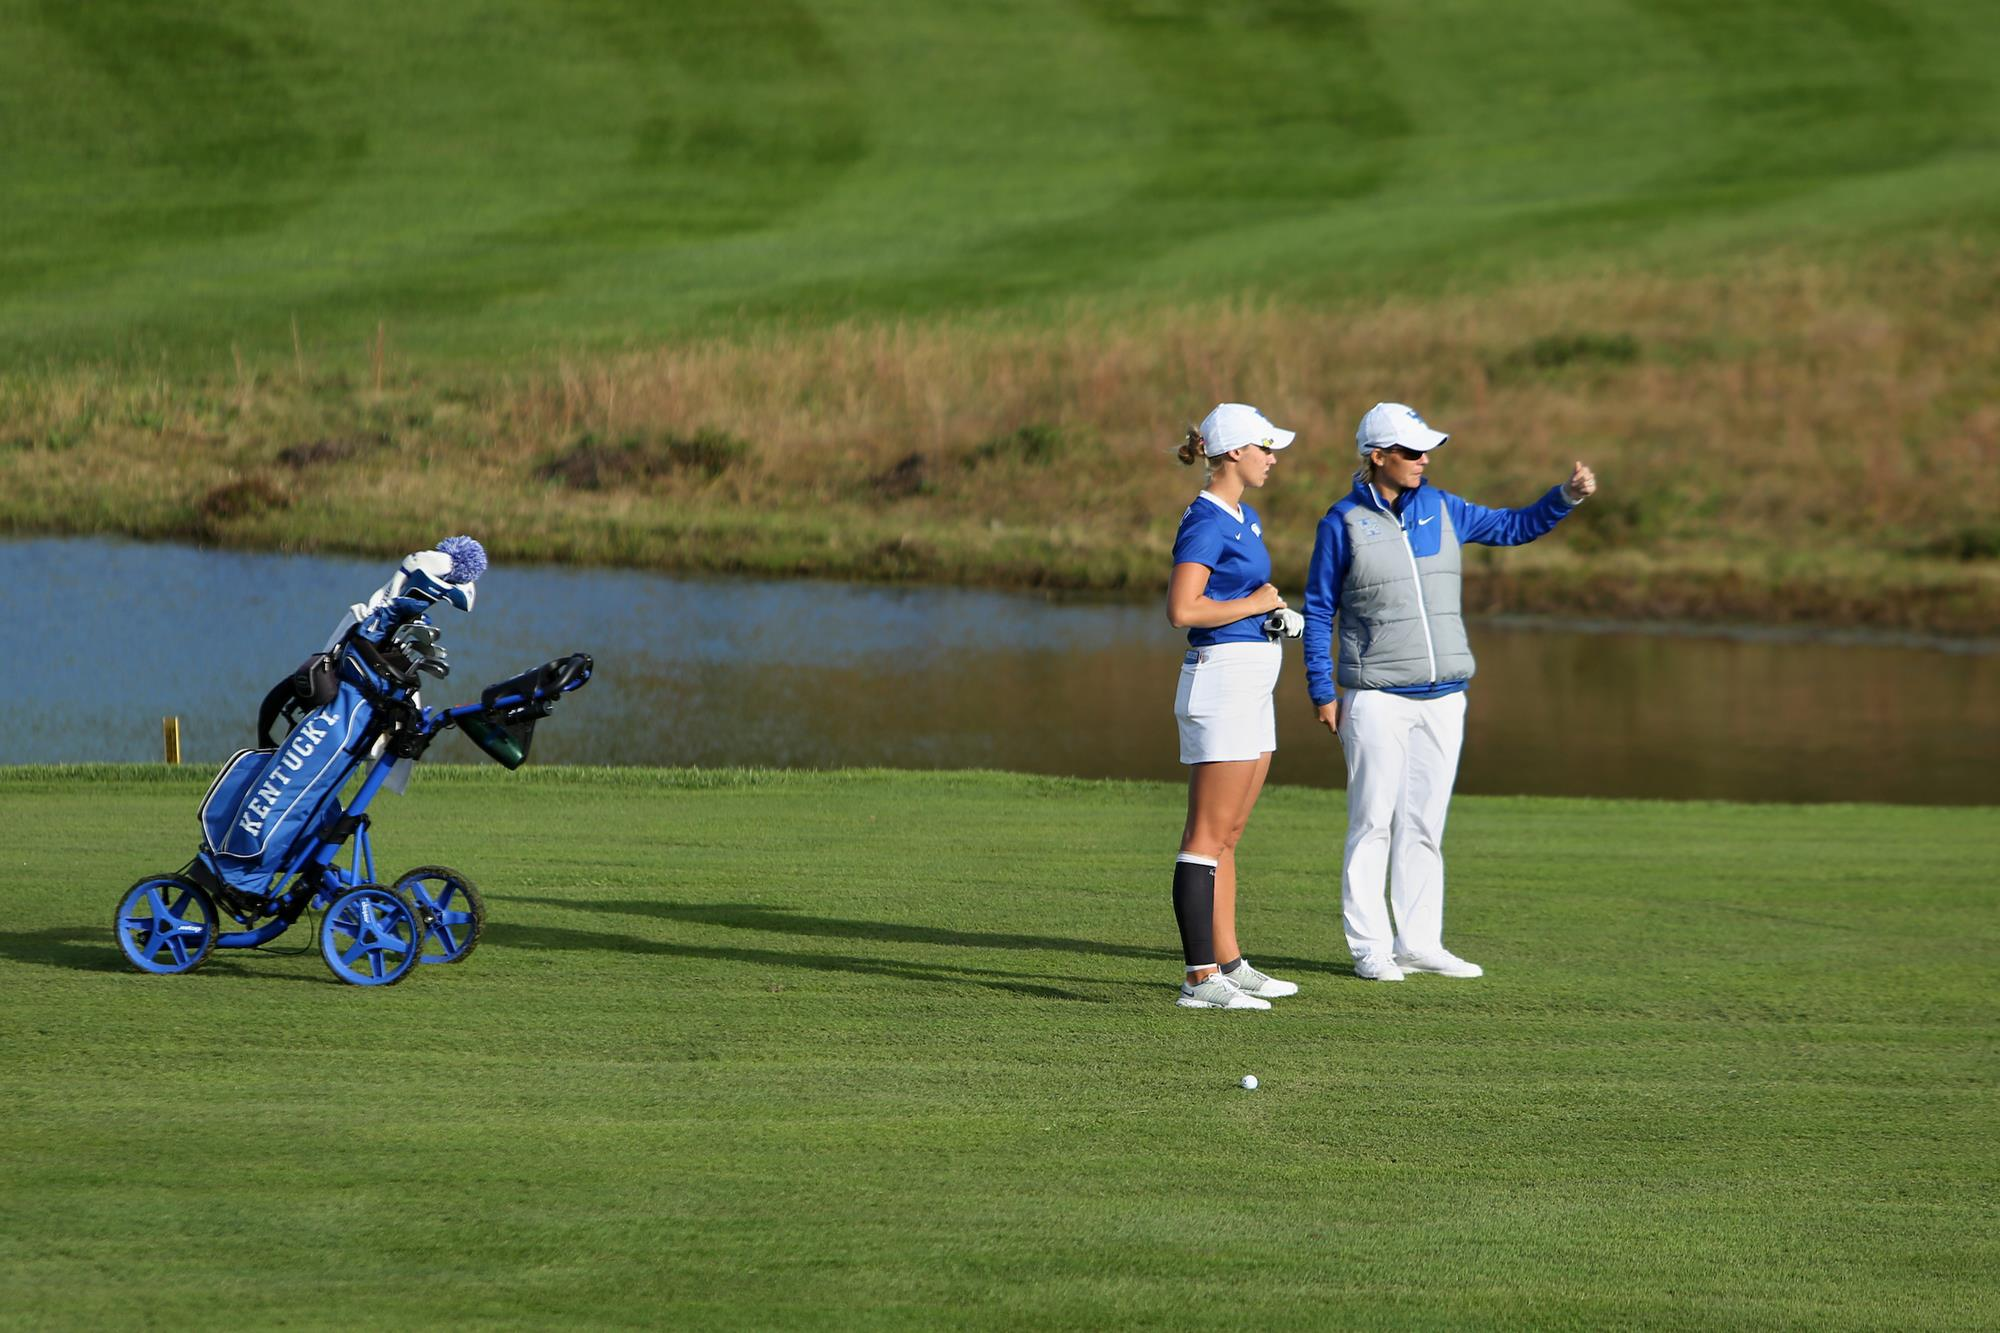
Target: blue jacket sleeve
x,y
1506,527
1323,579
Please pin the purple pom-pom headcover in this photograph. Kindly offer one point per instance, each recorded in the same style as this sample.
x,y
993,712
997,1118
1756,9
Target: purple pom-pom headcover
x,y
468,558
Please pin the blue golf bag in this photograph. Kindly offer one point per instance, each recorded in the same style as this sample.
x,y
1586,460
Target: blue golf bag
x,y
265,801
274,819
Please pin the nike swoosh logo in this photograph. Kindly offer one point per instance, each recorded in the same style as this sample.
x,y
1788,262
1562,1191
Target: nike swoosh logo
x,y
1422,521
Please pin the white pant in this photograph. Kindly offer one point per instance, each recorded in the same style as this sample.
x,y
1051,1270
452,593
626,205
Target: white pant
x,y
1402,755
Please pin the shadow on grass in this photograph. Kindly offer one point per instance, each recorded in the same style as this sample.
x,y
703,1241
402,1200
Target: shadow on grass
x,y
789,921
72,947
508,935
84,950
81,949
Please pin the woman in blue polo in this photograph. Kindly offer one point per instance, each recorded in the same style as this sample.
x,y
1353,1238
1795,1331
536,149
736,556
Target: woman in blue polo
x,y
1221,594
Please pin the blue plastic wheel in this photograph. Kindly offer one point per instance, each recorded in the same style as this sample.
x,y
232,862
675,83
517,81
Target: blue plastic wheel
x,y
165,925
452,909
372,936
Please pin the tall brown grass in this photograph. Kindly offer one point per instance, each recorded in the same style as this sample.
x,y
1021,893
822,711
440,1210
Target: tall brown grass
x,y
1834,431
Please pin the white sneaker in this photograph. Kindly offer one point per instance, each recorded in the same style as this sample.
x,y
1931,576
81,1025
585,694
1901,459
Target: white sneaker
x,y
1252,982
1442,962
1216,991
1377,967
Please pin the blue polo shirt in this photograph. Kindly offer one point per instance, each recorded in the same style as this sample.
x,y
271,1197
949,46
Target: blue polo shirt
x,y
1238,564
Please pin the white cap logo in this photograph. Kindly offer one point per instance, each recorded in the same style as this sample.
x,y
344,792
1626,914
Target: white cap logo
x,y
1388,424
1235,425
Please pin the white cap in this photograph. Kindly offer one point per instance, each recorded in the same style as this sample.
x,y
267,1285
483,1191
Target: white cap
x,y
1233,425
1392,423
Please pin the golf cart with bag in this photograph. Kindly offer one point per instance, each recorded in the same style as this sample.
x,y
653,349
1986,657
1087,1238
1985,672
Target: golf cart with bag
x,y
273,822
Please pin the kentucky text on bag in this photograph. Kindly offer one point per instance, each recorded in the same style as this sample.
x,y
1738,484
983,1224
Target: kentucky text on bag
x,y
278,779
265,802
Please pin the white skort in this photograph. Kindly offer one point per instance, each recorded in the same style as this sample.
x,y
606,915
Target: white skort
x,y
1224,702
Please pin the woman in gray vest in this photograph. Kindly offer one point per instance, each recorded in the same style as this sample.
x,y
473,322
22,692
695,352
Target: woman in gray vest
x,y
1386,563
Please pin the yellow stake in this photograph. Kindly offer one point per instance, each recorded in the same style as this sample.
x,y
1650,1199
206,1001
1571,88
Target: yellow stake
x,y
171,726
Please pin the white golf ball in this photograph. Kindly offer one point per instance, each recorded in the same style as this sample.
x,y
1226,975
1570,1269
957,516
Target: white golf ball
x,y
1250,1082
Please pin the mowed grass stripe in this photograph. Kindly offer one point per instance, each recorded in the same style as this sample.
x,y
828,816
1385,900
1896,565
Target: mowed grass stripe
x,y
881,1048
494,180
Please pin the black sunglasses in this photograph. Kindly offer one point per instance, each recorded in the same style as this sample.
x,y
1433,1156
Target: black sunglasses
x,y
1411,454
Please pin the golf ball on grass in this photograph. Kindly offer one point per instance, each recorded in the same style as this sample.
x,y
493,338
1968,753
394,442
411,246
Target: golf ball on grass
x,y
1250,1082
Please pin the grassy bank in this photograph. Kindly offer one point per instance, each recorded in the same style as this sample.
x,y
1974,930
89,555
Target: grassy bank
x,y
1786,442
926,291
868,1049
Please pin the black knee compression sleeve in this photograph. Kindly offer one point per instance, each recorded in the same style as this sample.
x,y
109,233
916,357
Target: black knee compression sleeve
x,y
1194,908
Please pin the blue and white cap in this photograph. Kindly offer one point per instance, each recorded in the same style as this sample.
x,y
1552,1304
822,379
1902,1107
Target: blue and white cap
x,y
1235,425
1387,424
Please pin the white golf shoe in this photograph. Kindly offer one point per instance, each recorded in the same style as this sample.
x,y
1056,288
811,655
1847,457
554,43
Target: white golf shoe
x,y
1377,967
1441,962
1262,985
1216,991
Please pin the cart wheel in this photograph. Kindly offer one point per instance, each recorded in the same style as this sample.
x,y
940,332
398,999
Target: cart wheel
x,y
165,924
451,908
371,936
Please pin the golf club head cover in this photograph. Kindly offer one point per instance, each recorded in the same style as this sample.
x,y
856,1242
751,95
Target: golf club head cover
x,y
424,579
445,574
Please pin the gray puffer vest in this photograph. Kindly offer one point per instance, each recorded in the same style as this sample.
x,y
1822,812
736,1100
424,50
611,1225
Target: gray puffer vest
x,y
1400,622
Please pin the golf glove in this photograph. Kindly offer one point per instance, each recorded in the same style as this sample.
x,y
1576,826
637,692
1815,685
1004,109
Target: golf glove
x,y
1284,623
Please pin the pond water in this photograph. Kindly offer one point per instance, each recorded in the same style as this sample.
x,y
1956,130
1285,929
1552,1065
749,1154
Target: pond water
x,y
101,639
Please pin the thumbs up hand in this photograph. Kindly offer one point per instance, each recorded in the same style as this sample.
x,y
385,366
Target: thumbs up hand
x,y
1582,484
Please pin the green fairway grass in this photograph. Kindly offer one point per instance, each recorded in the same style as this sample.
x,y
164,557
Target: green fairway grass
x,y
893,1049
492,178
